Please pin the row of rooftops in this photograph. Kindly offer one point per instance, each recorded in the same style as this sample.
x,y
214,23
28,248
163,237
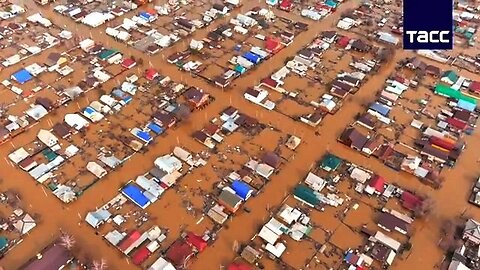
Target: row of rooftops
x,y
438,145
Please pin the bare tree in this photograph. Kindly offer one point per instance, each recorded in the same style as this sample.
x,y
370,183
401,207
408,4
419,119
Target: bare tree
x,y
67,241
99,265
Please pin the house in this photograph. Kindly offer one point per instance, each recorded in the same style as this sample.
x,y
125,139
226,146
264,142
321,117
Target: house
x,y
45,102
286,5
151,74
410,201
329,36
128,63
375,186
372,145
164,119
388,38
313,119
360,45
433,71
457,265
220,81
47,137
391,223
55,256
343,42
330,162
168,163
271,159
185,24
152,49
449,77
471,233
382,253
221,9
367,120
229,113
474,87
351,137
230,200
416,63
196,97
348,79
273,45
180,254
204,139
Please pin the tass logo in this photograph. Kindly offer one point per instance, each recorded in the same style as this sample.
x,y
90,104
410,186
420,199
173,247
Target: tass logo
x,y
428,25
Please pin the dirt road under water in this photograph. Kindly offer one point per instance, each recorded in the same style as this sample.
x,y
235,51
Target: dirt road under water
x,y
450,200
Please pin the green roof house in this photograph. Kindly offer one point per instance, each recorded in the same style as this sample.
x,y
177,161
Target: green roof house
x,y
444,90
306,195
3,244
449,77
105,54
330,162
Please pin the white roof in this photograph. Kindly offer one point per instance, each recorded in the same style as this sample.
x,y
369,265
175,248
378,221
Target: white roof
x,y
96,169
37,112
150,185
114,237
95,19
35,69
38,171
289,214
276,250
76,121
268,235
168,163
457,265
24,225
86,44
182,153
161,264
18,155
315,182
47,137
388,241
360,175
71,150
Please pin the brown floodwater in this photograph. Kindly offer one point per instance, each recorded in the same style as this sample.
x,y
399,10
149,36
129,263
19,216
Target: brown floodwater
x,y
451,200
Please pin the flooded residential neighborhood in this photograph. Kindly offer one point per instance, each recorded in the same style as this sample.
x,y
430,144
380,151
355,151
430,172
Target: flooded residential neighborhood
x,y
235,134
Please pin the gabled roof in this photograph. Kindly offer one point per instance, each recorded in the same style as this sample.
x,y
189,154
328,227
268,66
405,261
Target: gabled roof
x,y
451,75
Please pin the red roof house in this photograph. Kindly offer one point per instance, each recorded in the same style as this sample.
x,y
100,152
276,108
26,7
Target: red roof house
x,y
474,87
343,42
457,123
410,201
269,82
151,74
196,241
141,255
239,266
129,240
180,253
376,185
442,143
273,45
286,5
128,63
